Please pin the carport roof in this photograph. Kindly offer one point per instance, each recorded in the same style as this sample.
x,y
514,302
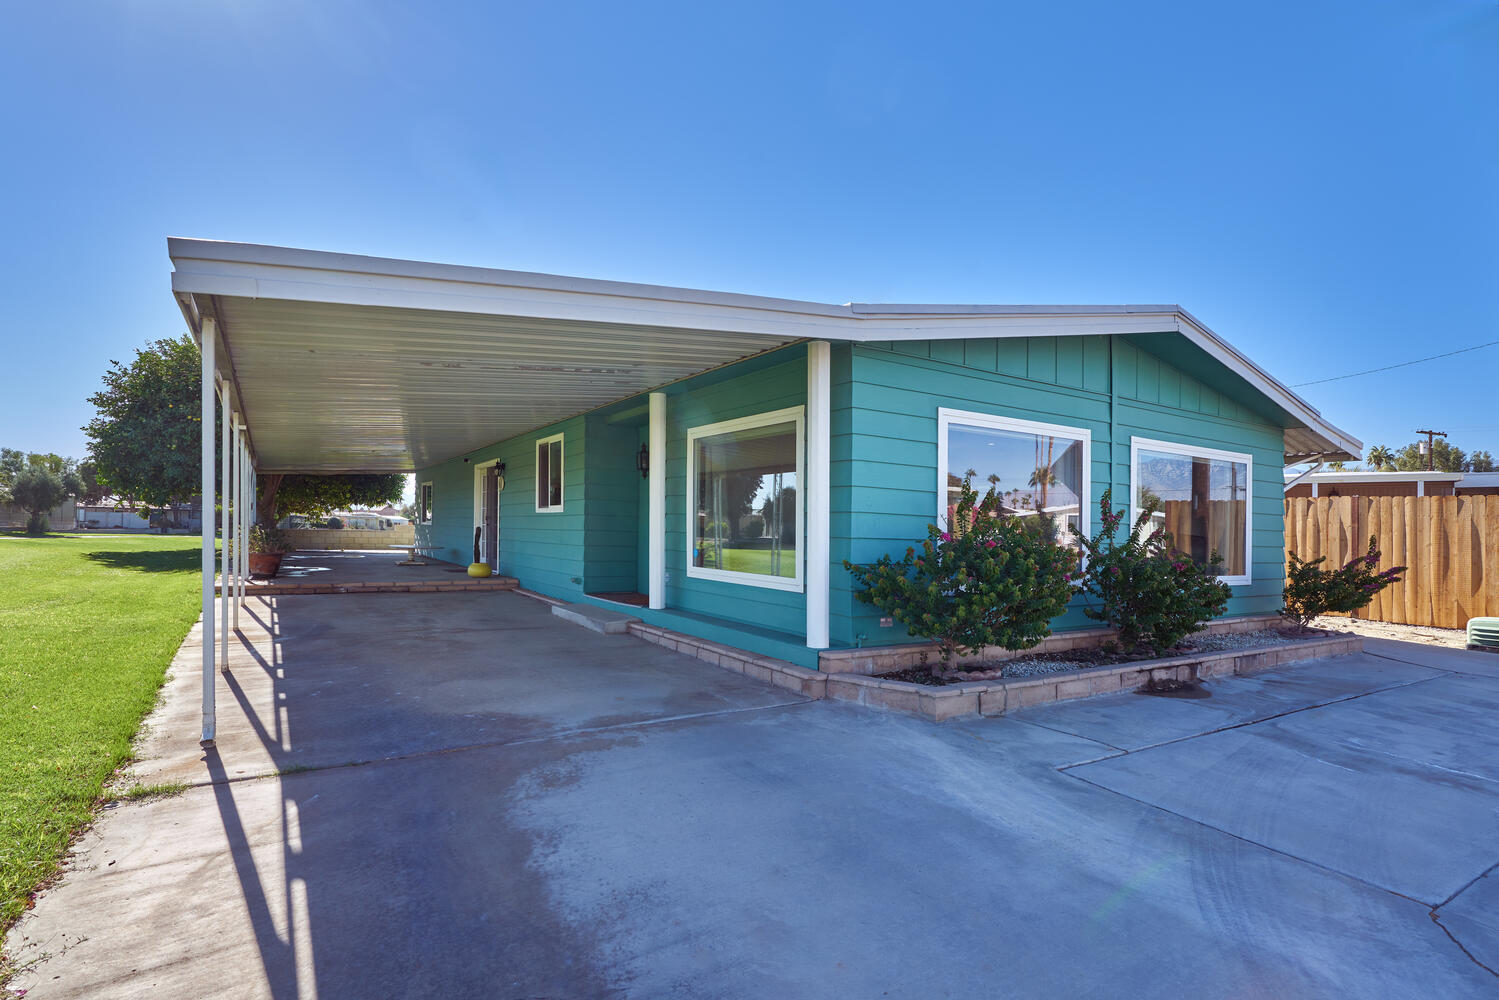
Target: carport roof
x,y
346,363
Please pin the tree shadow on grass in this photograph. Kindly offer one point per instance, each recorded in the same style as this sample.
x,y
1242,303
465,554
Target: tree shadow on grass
x,y
159,561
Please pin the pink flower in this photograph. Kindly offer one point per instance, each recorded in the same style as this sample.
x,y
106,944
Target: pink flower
x,y
946,537
991,543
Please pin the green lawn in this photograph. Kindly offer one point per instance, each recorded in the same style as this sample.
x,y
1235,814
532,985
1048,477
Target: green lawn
x,y
88,625
758,561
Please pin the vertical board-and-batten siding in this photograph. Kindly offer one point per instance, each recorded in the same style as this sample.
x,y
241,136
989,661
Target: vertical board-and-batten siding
x,y
885,449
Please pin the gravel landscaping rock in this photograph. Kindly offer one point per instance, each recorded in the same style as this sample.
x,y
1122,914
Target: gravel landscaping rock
x,y
1081,659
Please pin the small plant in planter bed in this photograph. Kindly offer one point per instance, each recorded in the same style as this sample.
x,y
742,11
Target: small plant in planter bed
x,y
988,580
1154,595
1312,590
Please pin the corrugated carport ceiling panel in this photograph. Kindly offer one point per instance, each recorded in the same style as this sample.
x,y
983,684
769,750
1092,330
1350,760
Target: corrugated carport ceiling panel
x,y
333,388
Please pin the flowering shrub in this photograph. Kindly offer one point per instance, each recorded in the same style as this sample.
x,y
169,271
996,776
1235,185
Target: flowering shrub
x,y
1312,590
1154,595
991,579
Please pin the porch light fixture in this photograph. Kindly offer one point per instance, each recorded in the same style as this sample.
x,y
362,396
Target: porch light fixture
x,y
643,462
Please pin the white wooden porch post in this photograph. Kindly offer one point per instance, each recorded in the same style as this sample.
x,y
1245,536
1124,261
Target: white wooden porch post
x,y
818,490
208,334
656,487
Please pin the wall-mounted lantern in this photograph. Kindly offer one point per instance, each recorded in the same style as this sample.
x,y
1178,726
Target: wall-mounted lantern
x,y
643,462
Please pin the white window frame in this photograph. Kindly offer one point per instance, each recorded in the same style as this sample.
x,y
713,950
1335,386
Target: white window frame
x,y
1139,444
562,476
791,414
970,418
425,510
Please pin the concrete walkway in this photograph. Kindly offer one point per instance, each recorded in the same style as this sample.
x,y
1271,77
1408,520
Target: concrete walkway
x,y
498,804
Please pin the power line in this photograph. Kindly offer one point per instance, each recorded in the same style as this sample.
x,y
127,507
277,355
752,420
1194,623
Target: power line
x,y
1403,364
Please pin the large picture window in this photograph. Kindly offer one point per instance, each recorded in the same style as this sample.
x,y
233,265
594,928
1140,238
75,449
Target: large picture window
x,y
1204,498
549,474
1034,468
744,484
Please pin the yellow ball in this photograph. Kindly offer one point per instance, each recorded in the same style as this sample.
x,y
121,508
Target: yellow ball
x,y
478,569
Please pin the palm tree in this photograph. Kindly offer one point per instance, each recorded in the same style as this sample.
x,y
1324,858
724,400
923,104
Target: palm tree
x,y
1380,458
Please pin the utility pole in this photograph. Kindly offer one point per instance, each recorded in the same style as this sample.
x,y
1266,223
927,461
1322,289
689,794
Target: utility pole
x,y
1430,452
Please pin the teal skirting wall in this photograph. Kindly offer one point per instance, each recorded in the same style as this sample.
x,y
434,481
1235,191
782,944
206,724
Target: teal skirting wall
x,y
885,399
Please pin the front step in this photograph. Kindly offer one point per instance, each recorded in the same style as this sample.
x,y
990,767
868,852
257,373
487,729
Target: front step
x,y
599,619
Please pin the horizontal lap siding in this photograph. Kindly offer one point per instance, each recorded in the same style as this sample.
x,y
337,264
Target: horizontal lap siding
x,y
544,551
885,444
772,388
1159,402
885,475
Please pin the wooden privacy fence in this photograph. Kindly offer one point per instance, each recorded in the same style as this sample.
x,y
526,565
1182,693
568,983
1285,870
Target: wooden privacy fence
x,y
1450,544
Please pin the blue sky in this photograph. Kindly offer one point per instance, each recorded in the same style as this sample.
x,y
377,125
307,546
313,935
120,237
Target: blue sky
x,y
1317,182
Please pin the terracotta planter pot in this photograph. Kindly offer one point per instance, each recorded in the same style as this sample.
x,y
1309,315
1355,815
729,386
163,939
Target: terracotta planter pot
x,y
265,564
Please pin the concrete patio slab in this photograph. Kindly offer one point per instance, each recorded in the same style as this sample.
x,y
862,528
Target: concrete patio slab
x,y
1399,788
1130,721
709,857
1472,918
1463,661
655,826
315,681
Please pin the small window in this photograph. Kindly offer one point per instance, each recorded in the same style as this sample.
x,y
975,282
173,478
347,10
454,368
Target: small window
x,y
549,474
744,500
424,503
1035,469
1205,500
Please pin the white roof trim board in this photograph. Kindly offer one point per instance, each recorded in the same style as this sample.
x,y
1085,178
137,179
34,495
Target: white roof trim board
x,y
435,360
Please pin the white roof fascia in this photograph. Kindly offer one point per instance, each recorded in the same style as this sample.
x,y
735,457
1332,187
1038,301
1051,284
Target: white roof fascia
x,y
210,267
1387,477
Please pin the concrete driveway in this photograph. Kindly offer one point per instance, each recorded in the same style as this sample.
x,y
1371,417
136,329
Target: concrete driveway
x,y
496,804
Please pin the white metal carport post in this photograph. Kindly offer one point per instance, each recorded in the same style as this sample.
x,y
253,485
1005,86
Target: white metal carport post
x,y
656,503
239,517
208,334
226,576
818,490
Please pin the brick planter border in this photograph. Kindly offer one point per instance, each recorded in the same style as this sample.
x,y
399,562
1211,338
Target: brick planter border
x,y
888,659
272,588
998,697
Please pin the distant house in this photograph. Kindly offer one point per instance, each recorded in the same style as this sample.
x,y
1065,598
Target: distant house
x,y
1390,484
111,514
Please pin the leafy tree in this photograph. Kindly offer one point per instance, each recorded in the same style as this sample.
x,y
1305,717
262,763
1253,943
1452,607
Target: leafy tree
x,y
1445,458
1480,461
1337,466
146,438
37,490
318,496
77,478
991,579
1380,459
145,442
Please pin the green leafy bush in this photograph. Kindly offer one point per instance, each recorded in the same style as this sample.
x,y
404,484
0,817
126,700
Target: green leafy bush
x,y
1312,590
989,580
37,490
336,523
1152,594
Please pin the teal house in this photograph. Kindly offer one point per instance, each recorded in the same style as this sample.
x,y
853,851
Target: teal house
x,y
709,460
